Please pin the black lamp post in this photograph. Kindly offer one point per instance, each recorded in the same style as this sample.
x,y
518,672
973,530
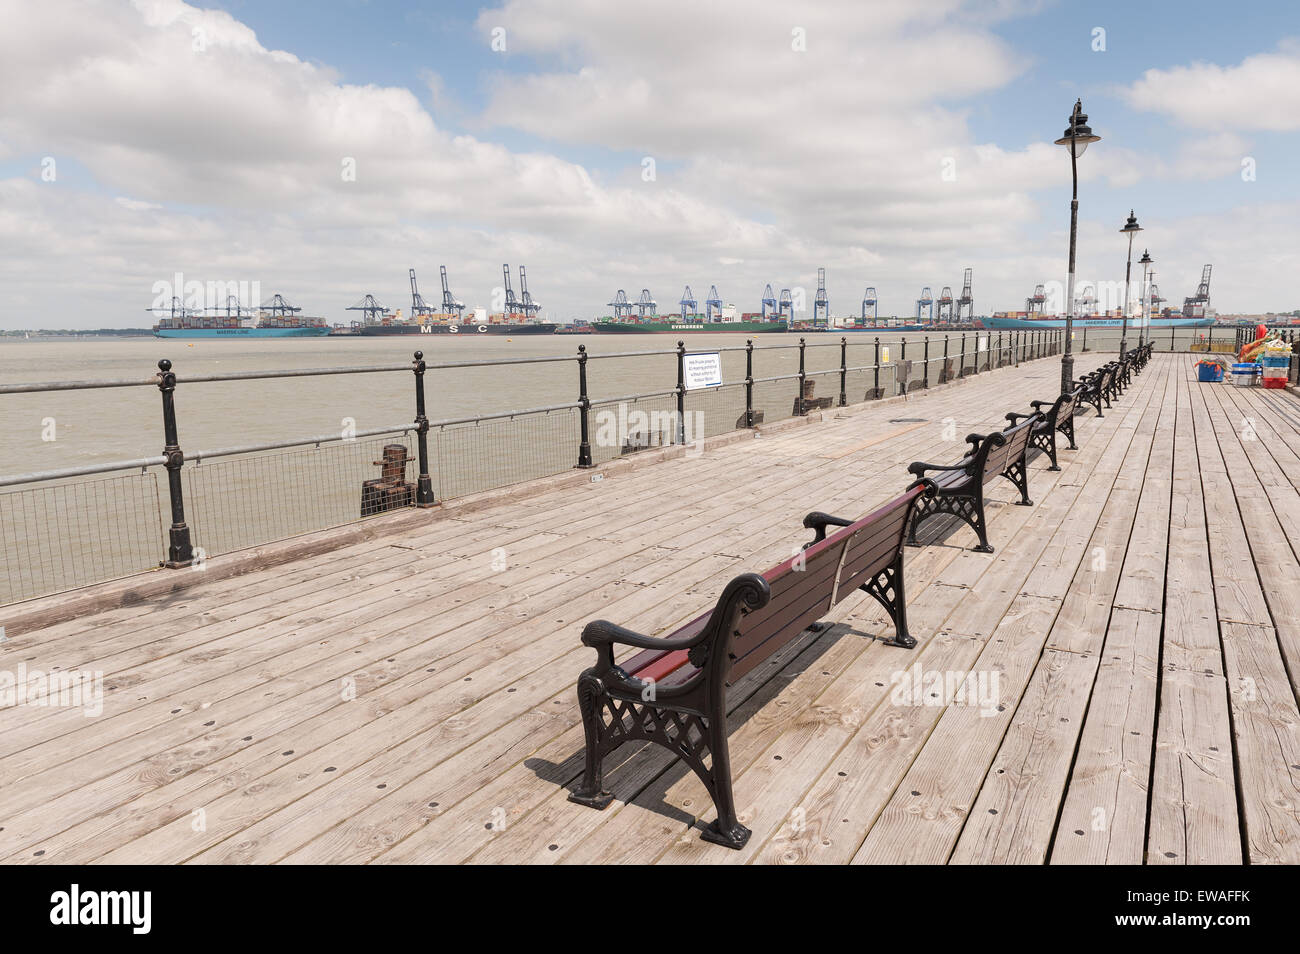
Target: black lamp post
x,y
1131,227
1076,139
1145,261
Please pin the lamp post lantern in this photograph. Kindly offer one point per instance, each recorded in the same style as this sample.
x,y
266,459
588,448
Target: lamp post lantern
x,y
1076,139
1131,227
1145,261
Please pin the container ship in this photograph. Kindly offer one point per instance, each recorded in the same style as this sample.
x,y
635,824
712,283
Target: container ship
x,y
519,316
180,324
1019,320
452,324
728,323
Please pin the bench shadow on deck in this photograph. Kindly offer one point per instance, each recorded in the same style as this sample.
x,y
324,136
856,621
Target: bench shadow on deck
x,y
405,700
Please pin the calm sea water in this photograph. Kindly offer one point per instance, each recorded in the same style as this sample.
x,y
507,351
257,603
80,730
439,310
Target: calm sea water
x,y
125,423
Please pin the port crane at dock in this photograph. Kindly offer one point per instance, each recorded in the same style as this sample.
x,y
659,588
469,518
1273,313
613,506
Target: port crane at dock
x,y
770,304
925,301
622,307
688,302
821,303
714,301
280,308
512,303
239,310
785,308
646,304
1036,301
369,306
869,301
419,307
966,303
529,307
449,301
945,304
1195,306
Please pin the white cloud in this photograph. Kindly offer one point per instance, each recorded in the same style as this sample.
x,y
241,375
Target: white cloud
x,y
223,159
1260,93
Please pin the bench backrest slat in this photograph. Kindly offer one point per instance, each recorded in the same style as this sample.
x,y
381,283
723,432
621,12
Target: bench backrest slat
x,y
1000,458
831,570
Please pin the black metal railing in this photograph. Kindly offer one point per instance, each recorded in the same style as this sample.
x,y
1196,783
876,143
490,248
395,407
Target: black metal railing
x,y
60,528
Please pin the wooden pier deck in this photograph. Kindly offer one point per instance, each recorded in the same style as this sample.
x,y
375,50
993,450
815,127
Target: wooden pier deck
x,y
411,698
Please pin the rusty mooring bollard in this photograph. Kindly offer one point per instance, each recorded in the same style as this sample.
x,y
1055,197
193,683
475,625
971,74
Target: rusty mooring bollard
x,y
392,490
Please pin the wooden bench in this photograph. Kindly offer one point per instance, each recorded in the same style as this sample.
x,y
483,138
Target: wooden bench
x,y
1096,387
674,692
960,486
1059,418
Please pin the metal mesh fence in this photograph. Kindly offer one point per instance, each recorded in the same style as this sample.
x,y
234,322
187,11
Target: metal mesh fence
x,y
469,458
71,532
60,536
714,411
240,502
625,427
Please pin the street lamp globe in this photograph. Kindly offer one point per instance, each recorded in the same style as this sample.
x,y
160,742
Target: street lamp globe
x,y
1078,134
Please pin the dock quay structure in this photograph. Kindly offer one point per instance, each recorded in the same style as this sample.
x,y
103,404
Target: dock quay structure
x,y
1116,683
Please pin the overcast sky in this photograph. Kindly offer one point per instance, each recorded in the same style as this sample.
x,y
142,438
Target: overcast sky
x,y
322,149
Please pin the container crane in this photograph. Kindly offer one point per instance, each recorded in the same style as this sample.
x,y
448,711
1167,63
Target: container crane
x,y
372,309
712,302
419,307
530,307
770,304
449,301
945,303
821,303
512,303
646,304
688,302
966,303
238,308
622,307
281,308
1195,306
786,306
869,301
925,301
178,309
1036,301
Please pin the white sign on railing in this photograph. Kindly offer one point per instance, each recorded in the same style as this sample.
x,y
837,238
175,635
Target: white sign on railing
x,y
702,370
982,344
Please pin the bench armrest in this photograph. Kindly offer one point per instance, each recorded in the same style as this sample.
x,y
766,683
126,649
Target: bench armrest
x,y
1014,418
919,468
818,522
601,632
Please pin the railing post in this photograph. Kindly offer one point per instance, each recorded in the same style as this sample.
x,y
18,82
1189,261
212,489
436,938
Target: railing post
x,y
424,483
1000,355
925,361
875,391
800,408
681,392
749,382
844,370
946,376
961,373
1085,339
902,356
584,410
179,551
